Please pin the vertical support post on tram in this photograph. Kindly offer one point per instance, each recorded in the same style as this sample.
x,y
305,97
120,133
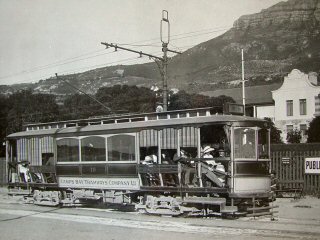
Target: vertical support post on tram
x,y
232,156
199,143
159,157
199,156
7,162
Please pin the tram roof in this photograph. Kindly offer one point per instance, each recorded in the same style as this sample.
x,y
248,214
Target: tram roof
x,y
132,123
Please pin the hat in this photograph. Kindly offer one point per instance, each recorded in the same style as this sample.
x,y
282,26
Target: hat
x,y
148,159
208,149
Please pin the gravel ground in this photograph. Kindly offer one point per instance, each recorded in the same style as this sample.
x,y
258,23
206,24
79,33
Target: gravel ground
x,y
296,219
306,208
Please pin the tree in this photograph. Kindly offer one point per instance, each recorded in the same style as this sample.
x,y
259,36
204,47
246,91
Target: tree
x,y
314,130
275,133
79,106
127,99
3,123
294,136
26,107
183,100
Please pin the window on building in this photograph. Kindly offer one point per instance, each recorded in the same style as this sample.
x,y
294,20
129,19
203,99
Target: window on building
x,y
303,106
289,128
68,150
289,107
121,148
93,149
303,129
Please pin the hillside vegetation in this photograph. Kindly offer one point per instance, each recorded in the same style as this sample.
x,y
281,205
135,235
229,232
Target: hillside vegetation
x,y
275,41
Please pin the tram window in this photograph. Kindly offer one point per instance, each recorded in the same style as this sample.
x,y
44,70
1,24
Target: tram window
x,y
252,168
121,148
263,144
192,114
245,144
173,115
93,149
68,150
215,137
182,115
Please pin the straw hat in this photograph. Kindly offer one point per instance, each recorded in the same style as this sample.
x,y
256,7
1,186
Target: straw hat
x,y
208,149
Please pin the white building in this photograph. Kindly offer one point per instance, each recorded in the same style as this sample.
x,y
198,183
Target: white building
x,y
291,105
296,102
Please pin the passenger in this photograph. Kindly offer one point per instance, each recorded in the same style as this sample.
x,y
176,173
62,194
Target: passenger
x,y
183,154
150,159
24,172
188,166
207,153
165,158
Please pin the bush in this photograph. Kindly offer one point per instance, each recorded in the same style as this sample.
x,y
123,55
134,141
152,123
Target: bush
x,y
294,136
314,130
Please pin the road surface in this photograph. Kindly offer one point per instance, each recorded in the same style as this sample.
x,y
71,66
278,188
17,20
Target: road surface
x,y
24,221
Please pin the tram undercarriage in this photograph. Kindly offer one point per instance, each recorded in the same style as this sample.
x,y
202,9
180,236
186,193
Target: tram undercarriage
x,y
162,192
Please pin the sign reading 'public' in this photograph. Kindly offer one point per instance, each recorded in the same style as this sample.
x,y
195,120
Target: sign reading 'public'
x,y
312,165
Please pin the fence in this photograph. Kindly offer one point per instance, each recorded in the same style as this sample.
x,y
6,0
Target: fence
x,y
288,163
3,178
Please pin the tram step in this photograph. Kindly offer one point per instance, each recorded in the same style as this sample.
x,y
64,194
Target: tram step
x,y
19,192
229,209
205,200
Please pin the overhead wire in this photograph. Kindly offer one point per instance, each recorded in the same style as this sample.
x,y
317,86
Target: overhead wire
x,y
48,65
78,58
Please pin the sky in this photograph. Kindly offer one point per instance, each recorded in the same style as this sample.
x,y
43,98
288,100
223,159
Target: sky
x,y
42,37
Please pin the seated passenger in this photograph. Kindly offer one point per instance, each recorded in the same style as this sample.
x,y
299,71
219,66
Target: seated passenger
x,y
183,154
150,159
206,153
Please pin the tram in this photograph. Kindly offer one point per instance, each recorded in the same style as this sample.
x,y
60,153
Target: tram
x,y
175,162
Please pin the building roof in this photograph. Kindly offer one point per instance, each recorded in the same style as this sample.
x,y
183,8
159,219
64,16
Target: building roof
x,y
254,94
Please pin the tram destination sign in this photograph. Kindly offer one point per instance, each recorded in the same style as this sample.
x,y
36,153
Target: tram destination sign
x,y
233,108
312,165
99,183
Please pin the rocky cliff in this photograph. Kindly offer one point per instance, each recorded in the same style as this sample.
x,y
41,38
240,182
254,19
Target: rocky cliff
x,y
275,41
294,13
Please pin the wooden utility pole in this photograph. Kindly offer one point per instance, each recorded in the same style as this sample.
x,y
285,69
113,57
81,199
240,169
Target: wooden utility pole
x,y
243,87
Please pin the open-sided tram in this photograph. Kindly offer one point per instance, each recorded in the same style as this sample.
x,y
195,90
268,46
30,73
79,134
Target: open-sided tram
x,y
177,162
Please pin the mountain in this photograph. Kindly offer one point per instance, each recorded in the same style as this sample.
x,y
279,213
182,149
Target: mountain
x,y
275,41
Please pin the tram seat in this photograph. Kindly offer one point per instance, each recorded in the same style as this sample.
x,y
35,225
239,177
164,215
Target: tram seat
x,y
150,174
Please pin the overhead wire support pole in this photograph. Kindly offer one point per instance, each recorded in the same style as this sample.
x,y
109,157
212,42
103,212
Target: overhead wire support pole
x,y
243,87
165,42
162,62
